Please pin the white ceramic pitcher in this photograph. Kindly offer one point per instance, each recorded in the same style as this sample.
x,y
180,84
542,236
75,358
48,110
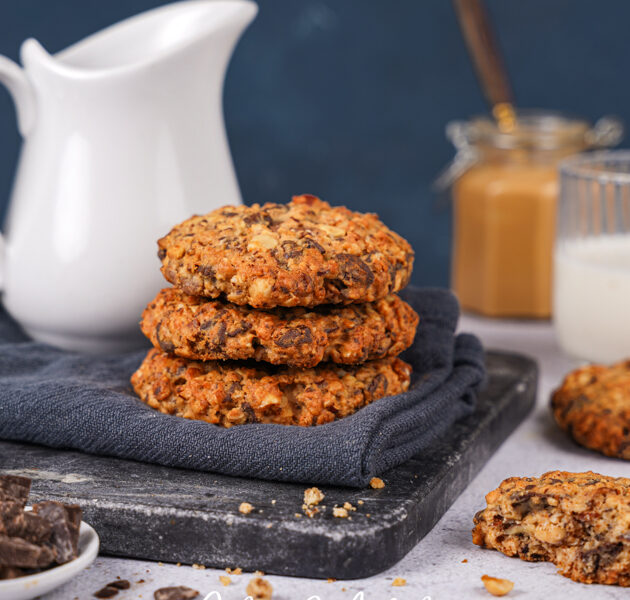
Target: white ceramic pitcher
x,y
123,138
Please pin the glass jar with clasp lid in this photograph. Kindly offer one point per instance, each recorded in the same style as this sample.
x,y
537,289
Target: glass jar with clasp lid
x,y
505,189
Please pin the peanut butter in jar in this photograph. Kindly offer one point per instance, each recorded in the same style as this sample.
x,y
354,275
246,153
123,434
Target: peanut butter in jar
x,y
504,208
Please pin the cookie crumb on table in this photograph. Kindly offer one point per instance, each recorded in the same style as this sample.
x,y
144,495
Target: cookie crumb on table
x,y
225,580
377,483
399,582
198,567
331,580
235,571
340,512
496,586
313,496
349,506
259,589
310,511
245,508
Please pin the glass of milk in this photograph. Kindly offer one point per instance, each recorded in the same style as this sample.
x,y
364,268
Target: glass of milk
x,y
591,295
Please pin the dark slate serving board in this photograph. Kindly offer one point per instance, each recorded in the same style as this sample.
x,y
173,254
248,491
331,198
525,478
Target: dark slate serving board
x,y
175,515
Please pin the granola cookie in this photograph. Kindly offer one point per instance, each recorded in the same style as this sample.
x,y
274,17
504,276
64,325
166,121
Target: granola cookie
x,y
578,521
304,253
232,393
593,406
201,329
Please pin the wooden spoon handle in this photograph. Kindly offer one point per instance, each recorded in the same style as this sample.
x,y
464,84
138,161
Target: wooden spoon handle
x,y
482,46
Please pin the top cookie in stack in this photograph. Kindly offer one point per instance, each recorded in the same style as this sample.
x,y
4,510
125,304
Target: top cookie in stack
x,y
301,285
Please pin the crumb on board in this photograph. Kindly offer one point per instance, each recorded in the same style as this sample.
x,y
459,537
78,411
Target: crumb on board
x,y
313,496
340,512
273,501
259,573
360,502
377,483
349,506
225,580
310,511
298,515
399,582
465,560
245,508
235,571
496,586
198,566
259,589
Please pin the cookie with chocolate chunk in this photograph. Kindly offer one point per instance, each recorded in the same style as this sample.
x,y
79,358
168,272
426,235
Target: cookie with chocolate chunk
x,y
593,406
201,329
578,521
234,393
304,253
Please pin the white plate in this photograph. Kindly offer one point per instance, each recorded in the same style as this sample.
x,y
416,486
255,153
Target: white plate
x,y
31,586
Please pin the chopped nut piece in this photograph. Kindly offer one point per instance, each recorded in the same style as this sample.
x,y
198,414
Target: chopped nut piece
x,y
259,589
225,580
245,508
340,512
377,483
399,582
235,571
313,496
349,506
497,587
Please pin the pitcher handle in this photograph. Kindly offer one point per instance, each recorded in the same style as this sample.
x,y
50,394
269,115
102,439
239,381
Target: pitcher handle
x,y
21,90
13,77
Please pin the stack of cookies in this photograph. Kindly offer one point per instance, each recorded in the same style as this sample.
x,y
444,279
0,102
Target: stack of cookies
x,y
281,313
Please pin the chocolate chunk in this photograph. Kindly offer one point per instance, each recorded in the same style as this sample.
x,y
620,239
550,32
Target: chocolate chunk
x,y
15,552
353,270
220,334
107,592
14,489
25,525
10,572
206,271
179,592
166,346
119,584
161,253
65,521
311,243
249,413
295,337
380,379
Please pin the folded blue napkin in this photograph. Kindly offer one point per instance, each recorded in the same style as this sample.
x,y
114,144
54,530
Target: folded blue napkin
x,y
68,400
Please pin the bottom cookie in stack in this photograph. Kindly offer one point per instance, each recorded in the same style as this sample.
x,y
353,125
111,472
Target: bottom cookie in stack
x,y
231,393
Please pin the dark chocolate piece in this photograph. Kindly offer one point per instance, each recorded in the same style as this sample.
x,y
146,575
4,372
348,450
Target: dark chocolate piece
x,y
10,572
65,521
119,584
179,592
15,522
107,592
15,552
14,489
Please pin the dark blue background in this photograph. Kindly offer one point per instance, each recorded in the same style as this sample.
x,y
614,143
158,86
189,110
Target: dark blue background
x,y
348,99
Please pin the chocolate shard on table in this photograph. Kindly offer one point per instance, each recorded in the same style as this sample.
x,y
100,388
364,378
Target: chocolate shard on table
x,y
180,592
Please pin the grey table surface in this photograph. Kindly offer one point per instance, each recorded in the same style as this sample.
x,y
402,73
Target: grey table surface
x,y
434,568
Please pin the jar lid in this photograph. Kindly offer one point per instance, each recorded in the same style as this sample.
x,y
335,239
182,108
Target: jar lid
x,y
538,130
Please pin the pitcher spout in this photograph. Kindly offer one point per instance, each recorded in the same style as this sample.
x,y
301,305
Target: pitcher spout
x,y
147,39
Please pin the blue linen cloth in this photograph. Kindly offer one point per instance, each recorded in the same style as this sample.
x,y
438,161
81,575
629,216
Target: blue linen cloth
x,y
68,400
